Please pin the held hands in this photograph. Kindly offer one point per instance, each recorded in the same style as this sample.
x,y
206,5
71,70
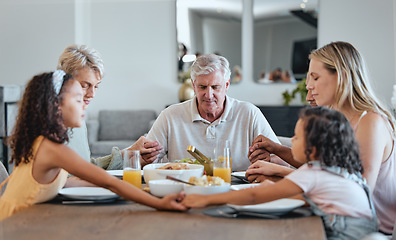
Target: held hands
x,y
195,201
261,170
172,202
261,149
149,150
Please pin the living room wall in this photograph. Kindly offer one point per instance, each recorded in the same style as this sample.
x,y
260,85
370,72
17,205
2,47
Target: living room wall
x,y
370,27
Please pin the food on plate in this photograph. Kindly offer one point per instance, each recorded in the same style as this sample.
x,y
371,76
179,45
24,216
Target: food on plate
x,y
146,189
175,166
189,160
206,181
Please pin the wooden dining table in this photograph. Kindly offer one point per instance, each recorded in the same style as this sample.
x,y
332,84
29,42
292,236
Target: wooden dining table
x,y
129,220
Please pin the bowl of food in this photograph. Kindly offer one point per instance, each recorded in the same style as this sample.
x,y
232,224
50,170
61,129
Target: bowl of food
x,y
182,171
163,187
206,185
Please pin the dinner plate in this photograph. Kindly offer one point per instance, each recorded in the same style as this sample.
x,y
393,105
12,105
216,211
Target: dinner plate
x,y
244,186
87,193
280,206
118,173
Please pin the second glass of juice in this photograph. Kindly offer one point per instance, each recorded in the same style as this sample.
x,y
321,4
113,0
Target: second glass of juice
x,y
222,166
131,168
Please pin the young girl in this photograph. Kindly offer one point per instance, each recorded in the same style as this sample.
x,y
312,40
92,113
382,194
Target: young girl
x,y
52,102
330,178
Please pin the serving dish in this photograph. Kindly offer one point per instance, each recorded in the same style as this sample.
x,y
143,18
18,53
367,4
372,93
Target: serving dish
x,y
151,172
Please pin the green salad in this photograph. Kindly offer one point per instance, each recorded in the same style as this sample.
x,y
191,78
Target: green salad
x,y
188,160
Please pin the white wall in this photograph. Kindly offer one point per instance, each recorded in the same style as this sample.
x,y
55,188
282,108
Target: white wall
x,y
137,39
32,35
370,27
138,42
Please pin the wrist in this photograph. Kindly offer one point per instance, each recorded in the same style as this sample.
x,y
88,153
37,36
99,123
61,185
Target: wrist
x,y
282,171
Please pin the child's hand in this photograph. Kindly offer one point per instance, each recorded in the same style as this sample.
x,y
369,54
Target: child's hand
x,y
172,202
262,168
195,201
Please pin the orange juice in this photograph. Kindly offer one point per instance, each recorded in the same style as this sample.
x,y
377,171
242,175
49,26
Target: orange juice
x,y
223,158
224,173
134,177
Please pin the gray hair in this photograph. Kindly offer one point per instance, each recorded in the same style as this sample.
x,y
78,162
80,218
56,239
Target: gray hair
x,y
76,57
209,63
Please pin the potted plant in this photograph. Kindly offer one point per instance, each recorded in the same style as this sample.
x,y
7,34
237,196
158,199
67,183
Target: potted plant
x,y
300,88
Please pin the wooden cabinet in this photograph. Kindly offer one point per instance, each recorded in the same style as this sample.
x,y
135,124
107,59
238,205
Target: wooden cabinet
x,y
281,118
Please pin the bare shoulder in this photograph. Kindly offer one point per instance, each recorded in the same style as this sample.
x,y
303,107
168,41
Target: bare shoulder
x,y
373,121
53,150
374,129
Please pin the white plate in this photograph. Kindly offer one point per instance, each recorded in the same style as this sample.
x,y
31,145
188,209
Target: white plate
x,y
239,174
280,206
118,173
88,193
244,186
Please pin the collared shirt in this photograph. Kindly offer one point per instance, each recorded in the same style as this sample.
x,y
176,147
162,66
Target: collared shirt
x,y
181,125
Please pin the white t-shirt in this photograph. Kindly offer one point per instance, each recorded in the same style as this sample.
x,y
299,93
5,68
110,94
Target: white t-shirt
x,y
180,125
78,141
332,193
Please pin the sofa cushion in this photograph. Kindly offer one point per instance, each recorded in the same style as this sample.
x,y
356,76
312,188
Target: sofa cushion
x,y
103,148
124,124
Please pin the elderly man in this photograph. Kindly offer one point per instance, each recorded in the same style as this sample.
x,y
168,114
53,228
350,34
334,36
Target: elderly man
x,y
210,118
86,66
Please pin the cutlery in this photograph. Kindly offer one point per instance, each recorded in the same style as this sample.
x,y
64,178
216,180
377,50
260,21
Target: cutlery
x,y
241,178
179,180
198,155
236,214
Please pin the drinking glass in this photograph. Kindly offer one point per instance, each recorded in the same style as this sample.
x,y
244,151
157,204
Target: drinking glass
x,y
132,172
222,166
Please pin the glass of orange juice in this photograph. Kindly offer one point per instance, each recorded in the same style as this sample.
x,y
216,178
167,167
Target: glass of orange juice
x,y
131,169
222,167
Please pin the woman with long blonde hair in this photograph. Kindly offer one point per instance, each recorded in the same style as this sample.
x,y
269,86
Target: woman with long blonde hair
x,y
338,78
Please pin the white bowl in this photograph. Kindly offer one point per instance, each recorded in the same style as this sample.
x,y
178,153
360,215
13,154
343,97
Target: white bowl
x,y
206,190
151,172
161,188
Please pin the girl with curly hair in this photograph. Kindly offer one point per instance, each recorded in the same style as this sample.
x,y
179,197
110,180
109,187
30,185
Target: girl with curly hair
x,y
330,177
52,103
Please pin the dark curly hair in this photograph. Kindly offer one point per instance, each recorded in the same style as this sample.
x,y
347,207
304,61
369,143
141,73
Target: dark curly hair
x,y
39,114
331,134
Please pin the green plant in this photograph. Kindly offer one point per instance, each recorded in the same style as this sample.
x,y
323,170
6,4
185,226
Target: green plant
x,y
300,88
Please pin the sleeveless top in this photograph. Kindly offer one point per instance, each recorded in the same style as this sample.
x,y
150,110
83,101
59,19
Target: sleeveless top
x,y
384,192
23,190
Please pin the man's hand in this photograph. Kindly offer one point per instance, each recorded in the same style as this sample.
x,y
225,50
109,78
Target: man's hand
x,y
261,149
149,150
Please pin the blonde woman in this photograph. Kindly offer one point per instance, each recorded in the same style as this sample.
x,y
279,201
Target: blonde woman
x,y
338,79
